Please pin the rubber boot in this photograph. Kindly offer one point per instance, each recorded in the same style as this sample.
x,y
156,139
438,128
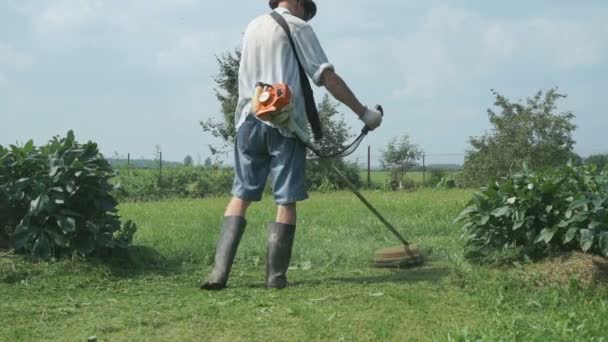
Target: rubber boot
x,y
230,236
278,254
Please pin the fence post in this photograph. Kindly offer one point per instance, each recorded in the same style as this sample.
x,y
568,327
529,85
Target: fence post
x,y
128,164
423,169
369,167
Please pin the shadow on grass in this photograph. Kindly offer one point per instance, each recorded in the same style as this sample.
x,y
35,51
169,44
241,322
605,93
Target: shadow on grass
x,y
137,260
411,275
131,262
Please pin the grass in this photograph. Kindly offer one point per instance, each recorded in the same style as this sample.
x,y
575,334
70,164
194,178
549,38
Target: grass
x,y
152,294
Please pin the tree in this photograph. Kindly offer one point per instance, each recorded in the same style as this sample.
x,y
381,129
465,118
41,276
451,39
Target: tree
x,y
227,93
336,133
531,133
400,156
157,152
188,161
208,162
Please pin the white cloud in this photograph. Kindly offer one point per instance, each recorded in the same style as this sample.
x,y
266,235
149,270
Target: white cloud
x,y
52,16
566,44
455,47
445,52
190,50
12,59
65,15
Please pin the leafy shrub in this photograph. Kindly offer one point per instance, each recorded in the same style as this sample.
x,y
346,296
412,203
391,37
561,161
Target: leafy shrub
x,y
320,176
599,160
436,175
447,182
137,185
55,200
392,183
182,182
537,213
214,182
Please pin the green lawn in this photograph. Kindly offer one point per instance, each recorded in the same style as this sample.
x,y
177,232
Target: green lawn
x,y
335,294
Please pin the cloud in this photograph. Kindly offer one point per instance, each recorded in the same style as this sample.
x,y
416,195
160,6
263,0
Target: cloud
x,y
191,49
12,59
564,44
456,47
65,15
51,16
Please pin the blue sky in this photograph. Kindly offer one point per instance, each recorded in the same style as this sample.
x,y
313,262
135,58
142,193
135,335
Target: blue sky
x,y
133,74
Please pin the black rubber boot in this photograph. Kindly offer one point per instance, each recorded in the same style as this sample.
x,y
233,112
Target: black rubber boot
x,y
280,242
230,236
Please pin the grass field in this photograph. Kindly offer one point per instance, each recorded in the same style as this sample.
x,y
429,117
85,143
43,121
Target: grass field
x,y
153,294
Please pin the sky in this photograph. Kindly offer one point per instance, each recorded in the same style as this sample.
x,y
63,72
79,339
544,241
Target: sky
x,y
132,74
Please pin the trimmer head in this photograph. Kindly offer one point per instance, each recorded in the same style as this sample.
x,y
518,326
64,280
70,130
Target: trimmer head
x,y
402,256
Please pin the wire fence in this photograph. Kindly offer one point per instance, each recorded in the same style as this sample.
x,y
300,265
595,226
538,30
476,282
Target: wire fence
x,y
367,159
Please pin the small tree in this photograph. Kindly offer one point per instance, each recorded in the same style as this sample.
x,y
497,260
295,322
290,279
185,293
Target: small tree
x,y
336,133
188,161
157,152
208,162
400,155
531,133
227,93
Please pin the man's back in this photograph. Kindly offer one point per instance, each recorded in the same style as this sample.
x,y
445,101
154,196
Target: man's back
x,y
268,57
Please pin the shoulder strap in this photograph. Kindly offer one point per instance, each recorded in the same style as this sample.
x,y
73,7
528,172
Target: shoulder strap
x,y
309,99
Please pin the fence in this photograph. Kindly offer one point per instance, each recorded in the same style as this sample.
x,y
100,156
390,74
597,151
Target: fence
x,y
427,163
367,160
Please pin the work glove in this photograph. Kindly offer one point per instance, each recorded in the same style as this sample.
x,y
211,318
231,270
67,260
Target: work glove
x,y
372,117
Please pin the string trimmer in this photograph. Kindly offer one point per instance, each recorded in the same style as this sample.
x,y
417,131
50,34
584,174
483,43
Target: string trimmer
x,y
273,103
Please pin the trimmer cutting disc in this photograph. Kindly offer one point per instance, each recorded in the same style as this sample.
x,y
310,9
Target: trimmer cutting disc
x,y
402,256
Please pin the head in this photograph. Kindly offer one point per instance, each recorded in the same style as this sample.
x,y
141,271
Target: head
x,y
303,9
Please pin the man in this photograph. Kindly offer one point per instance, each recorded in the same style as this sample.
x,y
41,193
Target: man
x,y
262,149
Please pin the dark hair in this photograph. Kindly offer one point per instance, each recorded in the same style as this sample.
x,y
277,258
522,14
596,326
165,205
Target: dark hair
x,y
273,3
309,5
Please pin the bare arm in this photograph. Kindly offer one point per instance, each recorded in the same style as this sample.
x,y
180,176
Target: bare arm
x,y
340,90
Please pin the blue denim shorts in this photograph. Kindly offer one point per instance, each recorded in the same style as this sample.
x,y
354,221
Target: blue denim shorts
x,y
260,151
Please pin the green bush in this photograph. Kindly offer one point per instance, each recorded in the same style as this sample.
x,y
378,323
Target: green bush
x,y
447,182
395,183
195,182
321,177
599,160
534,214
436,175
182,182
55,200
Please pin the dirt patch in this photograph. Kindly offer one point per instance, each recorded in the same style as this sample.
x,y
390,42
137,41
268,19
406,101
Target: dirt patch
x,y
565,269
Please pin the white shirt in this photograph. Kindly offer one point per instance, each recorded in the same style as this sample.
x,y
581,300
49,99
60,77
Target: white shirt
x,y
267,57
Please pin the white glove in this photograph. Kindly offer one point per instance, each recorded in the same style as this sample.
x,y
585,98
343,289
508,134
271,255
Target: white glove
x,y
372,118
